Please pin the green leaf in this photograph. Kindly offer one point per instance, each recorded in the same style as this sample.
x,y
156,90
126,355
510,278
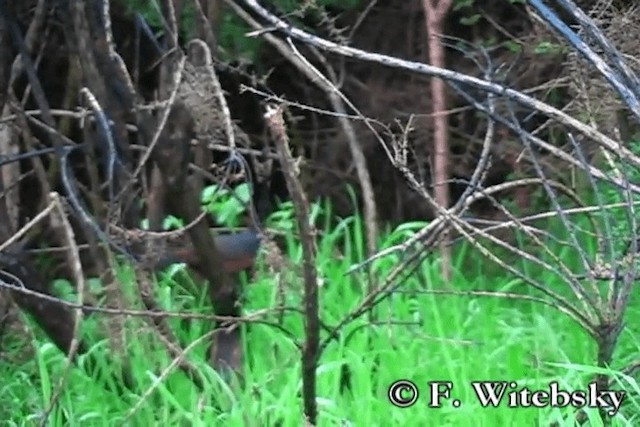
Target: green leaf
x,y
470,20
461,4
545,47
513,46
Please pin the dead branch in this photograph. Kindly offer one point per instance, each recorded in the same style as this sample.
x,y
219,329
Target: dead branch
x,y
311,353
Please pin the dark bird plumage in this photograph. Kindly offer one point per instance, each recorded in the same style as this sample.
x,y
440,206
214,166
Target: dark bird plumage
x,y
238,252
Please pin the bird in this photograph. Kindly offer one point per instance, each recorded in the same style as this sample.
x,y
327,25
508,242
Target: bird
x,y
238,252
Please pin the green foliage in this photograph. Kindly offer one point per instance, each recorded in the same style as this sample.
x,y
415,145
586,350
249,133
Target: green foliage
x,y
489,42
471,16
232,29
227,205
548,48
513,46
170,222
617,221
471,19
232,39
465,339
150,10
462,4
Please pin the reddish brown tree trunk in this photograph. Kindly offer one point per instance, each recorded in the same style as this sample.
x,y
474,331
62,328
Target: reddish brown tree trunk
x,y
435,13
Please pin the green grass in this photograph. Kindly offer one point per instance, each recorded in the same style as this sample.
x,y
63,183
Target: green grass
x,y
421,337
